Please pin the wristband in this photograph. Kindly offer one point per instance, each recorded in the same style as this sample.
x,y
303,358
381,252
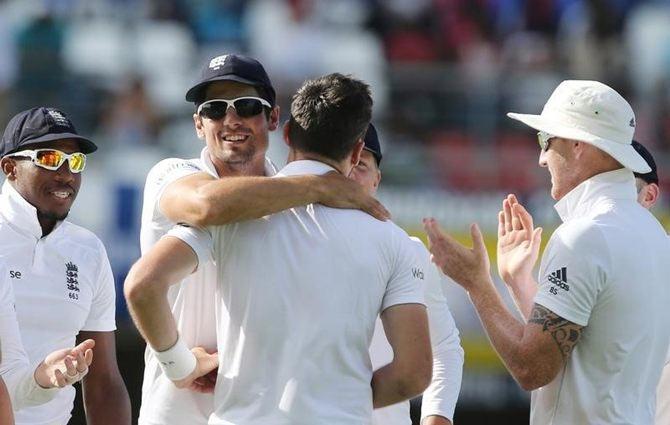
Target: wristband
x,y
177,361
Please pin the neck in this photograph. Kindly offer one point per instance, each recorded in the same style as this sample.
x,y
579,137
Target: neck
x,y
340,166
255,167
601,167
47,223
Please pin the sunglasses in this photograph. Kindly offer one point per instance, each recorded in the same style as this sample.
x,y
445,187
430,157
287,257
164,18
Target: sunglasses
x,y
543,139
52,159
245,107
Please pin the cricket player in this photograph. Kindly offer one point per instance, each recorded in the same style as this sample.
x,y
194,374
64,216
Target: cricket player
x,y
62,281
648,192
235,109
300,290
595,336
439,399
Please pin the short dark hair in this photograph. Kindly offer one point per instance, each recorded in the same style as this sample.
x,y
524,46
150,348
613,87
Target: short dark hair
x,y
329,115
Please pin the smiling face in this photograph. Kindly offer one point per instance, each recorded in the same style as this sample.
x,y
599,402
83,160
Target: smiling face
x,y
366,173
52,193
232,141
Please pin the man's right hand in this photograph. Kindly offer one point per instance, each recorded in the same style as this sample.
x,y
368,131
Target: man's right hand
x,y
201,380
338,191
518,243
66,366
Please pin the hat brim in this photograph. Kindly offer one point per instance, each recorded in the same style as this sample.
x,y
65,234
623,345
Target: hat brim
x,y
85,145
624,153
195,93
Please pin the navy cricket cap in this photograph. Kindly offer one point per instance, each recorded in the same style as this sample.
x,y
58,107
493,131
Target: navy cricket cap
x,y
40,125
242,69
372,143
652,176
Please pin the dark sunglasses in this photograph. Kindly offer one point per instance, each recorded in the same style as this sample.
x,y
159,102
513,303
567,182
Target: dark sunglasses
x,y
245,107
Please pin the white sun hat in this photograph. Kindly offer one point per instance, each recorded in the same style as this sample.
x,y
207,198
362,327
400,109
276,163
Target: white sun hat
x,y
591,112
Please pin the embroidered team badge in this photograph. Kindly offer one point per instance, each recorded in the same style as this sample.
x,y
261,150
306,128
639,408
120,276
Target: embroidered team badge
x,y
72,280
59,118
218,62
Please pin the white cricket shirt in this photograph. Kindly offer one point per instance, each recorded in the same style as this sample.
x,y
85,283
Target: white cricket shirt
x,y
15,369
663,390
62,284
441,395
604,268
302,288
192,303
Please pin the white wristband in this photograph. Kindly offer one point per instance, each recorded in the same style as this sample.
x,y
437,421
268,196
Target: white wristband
x,y
177,361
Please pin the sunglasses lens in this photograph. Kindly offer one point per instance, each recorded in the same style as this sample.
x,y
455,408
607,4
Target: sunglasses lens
x,y
49,158
214,110
543,140
246,108
77,162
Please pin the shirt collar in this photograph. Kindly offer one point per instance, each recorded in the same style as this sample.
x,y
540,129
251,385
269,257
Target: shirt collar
x,y
304,166
604,187
270,168
20,213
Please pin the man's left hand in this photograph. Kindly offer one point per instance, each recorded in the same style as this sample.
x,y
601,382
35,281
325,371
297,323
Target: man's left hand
x,y
469,267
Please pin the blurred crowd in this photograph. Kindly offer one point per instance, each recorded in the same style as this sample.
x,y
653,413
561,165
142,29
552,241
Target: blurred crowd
x,y
444,72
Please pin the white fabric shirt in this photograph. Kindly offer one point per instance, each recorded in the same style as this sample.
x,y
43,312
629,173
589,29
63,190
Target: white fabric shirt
x,y
15,368
192,303
65,286
301,290
604,269
441,395
663,389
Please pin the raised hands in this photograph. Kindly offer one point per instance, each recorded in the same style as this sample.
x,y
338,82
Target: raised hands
x,y
518,242
469,267
66,366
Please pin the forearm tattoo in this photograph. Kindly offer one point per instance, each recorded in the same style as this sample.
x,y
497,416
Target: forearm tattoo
x,y
565,333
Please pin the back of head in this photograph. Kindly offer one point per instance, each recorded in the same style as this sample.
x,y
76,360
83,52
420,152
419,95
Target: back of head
x,y
329,115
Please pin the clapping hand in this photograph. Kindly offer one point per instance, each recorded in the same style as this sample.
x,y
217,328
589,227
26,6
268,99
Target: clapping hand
x,y
518,242
469,267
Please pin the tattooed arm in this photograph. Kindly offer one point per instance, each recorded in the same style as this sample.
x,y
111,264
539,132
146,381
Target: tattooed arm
x,y
535,352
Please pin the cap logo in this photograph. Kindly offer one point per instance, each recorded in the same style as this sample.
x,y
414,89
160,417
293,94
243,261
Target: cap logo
x,y
632,122
59,118
218,62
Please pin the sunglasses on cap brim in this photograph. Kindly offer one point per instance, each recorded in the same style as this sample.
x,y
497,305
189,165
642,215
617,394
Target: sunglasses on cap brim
x,y
245,107
52,159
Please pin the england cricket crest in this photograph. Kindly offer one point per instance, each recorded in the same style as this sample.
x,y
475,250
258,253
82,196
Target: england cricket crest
x,y
72,280
217,62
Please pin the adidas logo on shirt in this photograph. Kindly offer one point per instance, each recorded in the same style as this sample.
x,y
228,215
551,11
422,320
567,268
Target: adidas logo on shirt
x,y
560,279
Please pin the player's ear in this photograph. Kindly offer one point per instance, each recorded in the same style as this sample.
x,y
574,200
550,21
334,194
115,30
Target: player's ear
x,y
358,150
273,121
199,130
8,166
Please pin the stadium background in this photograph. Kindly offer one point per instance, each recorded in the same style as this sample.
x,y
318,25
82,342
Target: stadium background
x,y
444,72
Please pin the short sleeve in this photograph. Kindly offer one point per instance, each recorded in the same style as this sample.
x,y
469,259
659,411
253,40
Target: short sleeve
x,y
405,285
442,394
102,316
200,241
573,271
161,176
